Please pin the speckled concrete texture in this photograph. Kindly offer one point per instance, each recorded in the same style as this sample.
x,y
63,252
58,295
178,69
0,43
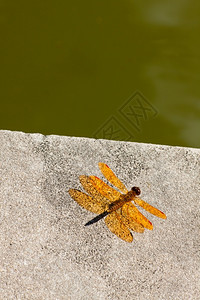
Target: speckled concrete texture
x,y
46,252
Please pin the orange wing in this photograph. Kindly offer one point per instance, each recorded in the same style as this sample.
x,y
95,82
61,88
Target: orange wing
x,y
128,220
132,213
108,174
104,189
94,205
116,225
91,190
149,208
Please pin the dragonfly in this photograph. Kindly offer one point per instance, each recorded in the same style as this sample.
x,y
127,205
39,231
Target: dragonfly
x,y
120,209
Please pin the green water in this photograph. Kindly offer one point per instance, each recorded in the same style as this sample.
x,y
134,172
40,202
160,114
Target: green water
x,y
124,70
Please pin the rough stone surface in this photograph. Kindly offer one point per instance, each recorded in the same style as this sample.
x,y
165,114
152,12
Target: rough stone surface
x,y
46,252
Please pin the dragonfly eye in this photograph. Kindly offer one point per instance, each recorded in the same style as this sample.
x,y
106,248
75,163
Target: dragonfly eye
x,y
136,190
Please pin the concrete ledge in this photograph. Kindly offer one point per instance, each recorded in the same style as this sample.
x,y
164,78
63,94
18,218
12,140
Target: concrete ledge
x,y
46,252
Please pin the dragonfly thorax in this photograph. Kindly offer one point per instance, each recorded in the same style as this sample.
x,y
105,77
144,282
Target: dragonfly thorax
x,y
123,199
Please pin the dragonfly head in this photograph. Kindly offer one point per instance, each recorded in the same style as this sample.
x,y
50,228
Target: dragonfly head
x,y
136,190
